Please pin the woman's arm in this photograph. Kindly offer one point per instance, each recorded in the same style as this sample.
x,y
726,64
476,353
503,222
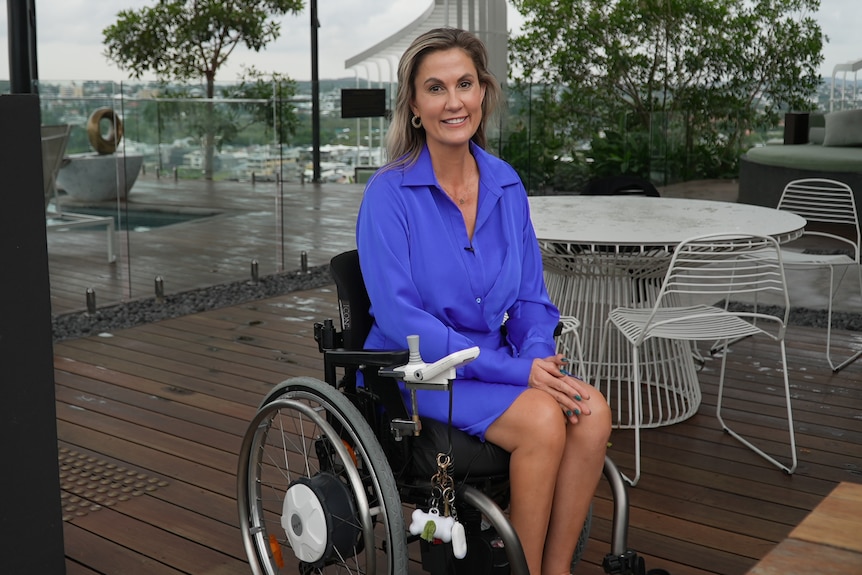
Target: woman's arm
x,y
533,318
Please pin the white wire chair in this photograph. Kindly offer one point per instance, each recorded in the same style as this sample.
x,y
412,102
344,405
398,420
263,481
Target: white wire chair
x,y
709,268
830,209
569,344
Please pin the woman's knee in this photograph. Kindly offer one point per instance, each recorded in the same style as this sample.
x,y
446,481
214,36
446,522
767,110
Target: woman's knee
x,y
533,420
599,420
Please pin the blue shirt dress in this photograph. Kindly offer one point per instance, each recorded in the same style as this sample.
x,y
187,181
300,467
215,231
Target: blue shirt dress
x,y
424,276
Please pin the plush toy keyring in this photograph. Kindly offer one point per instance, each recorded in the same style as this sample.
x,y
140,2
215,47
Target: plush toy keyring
x,y
430,525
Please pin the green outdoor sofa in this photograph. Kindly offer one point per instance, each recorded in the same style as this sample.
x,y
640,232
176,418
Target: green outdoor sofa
x,y
833,150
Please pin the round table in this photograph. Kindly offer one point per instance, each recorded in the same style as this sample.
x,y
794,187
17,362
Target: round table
x,y
601,252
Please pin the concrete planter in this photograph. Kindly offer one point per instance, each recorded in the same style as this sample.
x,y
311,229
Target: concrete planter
x,y
96,178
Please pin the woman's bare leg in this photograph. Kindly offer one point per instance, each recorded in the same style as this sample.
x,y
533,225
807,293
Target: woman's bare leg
x,y
533,431
579,473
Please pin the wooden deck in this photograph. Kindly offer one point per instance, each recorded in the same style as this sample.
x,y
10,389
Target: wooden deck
x,y
150,418
150,421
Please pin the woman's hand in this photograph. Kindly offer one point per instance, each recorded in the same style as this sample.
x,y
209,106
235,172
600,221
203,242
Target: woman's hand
x,y
550,375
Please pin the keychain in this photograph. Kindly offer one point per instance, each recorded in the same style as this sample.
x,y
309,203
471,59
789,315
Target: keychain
x,y
432,525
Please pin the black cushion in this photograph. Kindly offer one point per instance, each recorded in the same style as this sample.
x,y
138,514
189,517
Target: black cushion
x,y
620,186
471,457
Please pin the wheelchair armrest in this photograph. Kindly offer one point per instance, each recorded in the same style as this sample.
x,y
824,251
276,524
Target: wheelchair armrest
x,y
354,358
384,389
357,359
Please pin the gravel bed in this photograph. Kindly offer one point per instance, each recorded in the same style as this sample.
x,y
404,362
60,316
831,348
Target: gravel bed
x,y
137,312
130,314
802,316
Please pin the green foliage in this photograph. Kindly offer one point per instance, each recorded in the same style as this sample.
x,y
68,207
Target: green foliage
x,y
619,153
697,62
276,90
180,113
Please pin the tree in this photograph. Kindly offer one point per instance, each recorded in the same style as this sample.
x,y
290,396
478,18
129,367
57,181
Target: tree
x,y
684,80
277,90
186,40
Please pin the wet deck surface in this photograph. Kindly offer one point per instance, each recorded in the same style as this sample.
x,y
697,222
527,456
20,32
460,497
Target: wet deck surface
x,y
157,411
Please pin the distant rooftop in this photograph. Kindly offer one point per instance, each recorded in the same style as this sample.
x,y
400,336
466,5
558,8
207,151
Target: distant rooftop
x,y
486,18
841,102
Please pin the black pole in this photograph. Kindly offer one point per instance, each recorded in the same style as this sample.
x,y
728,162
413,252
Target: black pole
x,y
31,36
31,514
315,96
19,46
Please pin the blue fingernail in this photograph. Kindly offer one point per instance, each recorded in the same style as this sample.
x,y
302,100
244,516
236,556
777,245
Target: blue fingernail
x,y
565,360
565,372
577,412
577,398
569,412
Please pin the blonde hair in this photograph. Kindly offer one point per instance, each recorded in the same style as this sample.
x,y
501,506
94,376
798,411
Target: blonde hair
x,y
404,143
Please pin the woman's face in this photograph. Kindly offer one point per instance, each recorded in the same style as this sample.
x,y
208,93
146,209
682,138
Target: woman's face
x,y
448,97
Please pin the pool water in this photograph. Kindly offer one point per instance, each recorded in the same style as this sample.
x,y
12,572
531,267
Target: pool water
x,y
142,220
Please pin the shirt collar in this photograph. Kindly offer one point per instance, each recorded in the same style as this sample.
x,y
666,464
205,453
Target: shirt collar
x,y
493,178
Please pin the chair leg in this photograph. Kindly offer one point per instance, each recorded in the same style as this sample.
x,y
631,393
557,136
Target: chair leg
x,y
634,398
638,416
747,443
855,356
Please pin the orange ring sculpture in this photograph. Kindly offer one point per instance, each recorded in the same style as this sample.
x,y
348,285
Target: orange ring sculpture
x,y
104,143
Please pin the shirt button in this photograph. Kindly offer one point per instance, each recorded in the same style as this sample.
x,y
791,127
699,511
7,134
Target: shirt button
x,y
478,300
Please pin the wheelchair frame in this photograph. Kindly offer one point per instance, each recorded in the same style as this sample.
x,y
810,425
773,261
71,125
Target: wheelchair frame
x,y
315,474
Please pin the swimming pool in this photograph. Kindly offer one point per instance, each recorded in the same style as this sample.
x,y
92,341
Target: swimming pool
x,y
142,220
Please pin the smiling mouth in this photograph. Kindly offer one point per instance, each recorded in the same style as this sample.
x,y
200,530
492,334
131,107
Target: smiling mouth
x,y
455,121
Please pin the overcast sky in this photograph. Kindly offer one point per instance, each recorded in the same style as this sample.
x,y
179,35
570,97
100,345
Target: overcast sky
x,y
70,37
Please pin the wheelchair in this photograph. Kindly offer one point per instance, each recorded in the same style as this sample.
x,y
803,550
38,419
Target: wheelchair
x,y
329,469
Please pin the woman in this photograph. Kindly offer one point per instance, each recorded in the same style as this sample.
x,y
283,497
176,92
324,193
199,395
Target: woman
x,y
447,251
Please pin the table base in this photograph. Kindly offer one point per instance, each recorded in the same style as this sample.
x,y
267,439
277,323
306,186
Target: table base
x,y
588,284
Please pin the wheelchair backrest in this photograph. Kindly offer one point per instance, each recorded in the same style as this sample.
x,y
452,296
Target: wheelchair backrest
x,y
353,303
416,456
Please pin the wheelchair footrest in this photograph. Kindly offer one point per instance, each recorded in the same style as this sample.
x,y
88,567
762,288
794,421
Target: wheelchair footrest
x,y
626,564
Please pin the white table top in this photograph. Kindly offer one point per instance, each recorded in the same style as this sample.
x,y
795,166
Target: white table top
x,y
644,221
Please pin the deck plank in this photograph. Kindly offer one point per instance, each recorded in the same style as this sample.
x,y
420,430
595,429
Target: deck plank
x,y
171,398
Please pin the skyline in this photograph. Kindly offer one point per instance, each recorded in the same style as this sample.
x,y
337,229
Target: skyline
x,y
69,38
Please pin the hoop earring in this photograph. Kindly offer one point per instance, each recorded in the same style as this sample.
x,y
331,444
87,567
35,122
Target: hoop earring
x,y
416,122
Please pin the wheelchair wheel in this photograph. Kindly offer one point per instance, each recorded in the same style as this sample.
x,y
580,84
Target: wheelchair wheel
x,y
315,492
